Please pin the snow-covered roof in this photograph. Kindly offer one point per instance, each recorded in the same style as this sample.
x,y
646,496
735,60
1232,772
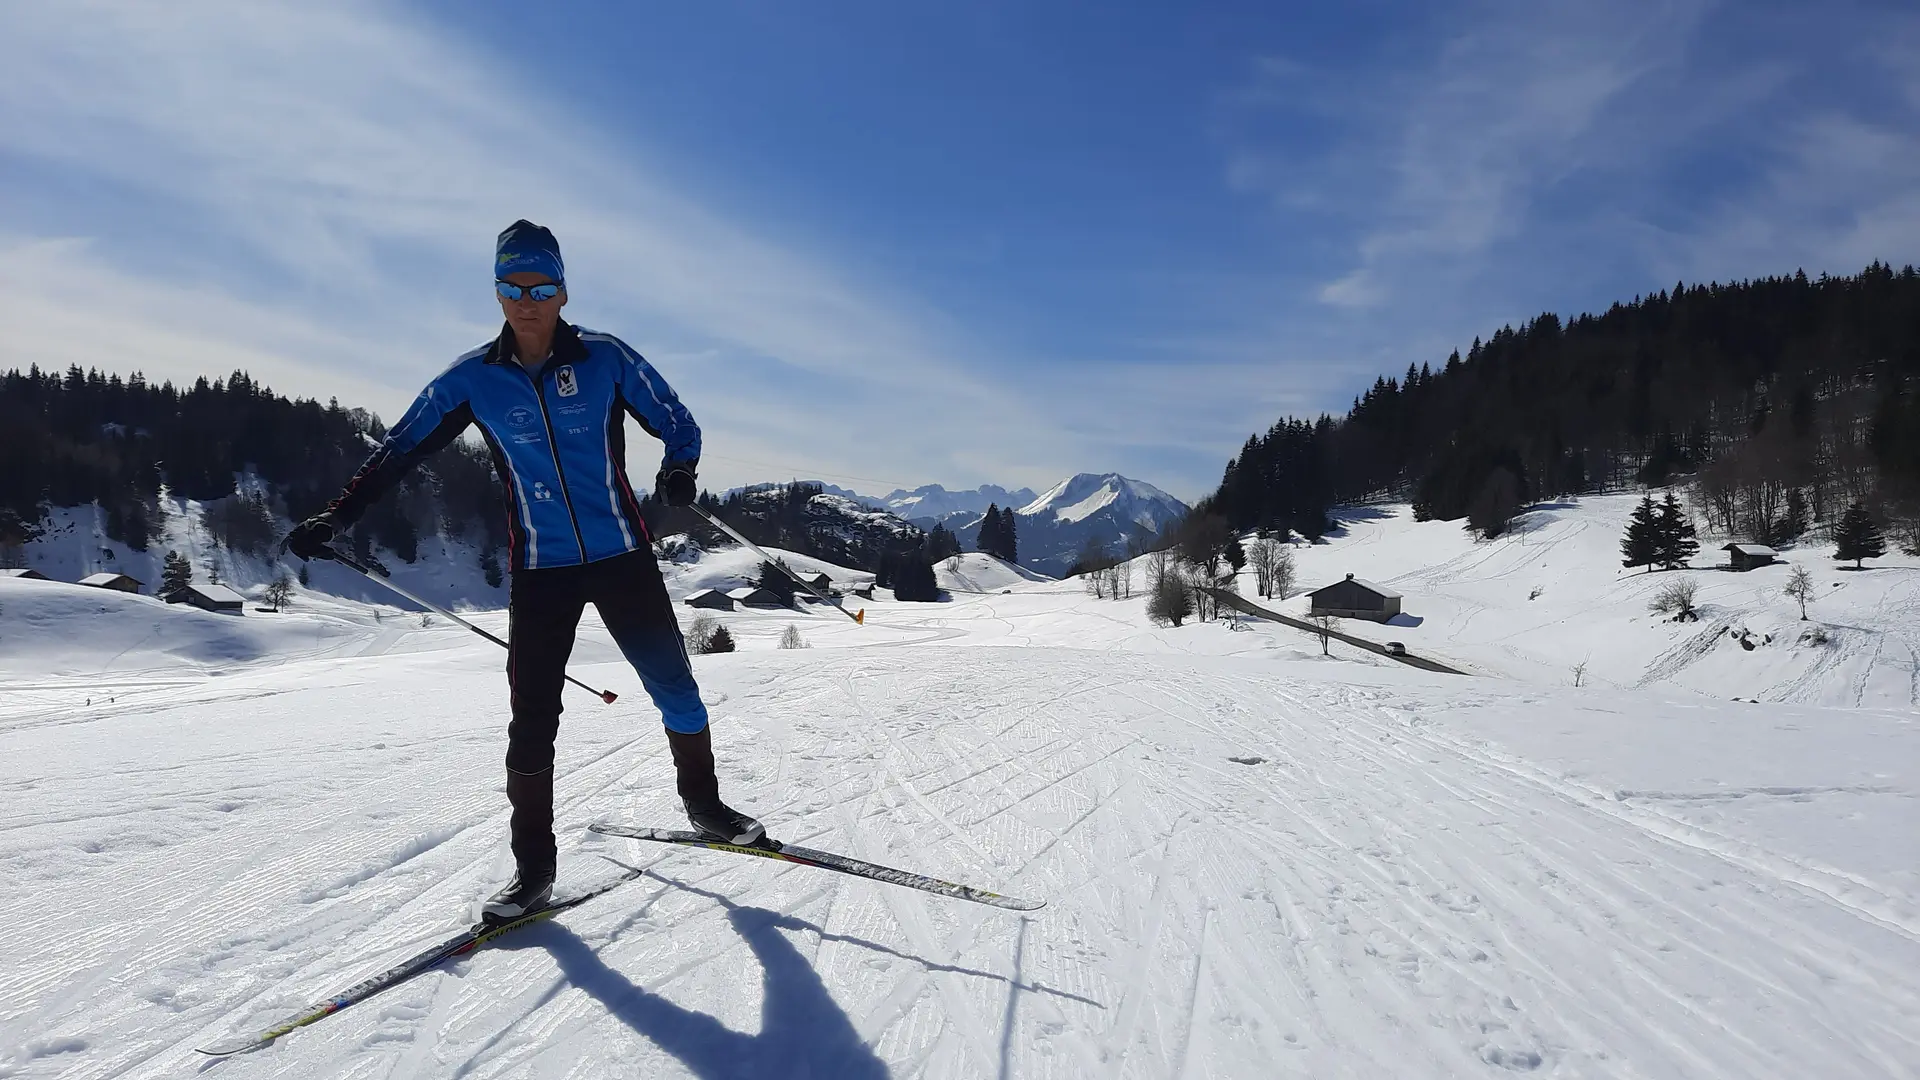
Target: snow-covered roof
x,y
752,592
701,594
1751,549
1380,590
22,572
219,594
106,578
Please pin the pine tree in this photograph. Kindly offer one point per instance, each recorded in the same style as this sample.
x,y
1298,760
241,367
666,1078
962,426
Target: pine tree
x,y
987,540
913,579
776,580
1857,536
1674,534
304,581
1009,538
721,641
490,566
1642,543
176,573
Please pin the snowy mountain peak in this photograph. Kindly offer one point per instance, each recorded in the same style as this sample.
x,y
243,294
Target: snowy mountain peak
x,y
1079,497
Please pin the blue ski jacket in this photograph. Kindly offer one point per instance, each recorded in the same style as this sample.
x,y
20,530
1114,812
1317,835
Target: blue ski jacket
x,y
557,437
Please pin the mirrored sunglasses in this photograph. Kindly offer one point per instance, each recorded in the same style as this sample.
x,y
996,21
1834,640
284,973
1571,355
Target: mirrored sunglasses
x,y
509,291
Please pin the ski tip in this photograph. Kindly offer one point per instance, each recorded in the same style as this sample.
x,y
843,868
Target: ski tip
x,y
609,696
860,617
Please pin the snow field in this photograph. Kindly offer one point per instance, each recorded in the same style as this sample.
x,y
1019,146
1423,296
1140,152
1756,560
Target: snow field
x,y
1259,861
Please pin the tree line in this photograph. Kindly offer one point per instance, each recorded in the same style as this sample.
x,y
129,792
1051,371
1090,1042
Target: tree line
x,y
255,458
86,436
1781,400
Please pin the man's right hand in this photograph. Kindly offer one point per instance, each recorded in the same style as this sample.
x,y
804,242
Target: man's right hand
x,y
310,538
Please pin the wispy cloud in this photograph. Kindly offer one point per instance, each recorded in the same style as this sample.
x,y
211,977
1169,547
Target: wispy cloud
x,y
1527,157
349,164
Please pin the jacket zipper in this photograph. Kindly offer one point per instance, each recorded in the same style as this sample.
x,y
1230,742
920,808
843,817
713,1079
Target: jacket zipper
x,y
553,447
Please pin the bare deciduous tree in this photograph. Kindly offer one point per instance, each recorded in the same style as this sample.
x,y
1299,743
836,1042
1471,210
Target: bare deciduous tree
x,y
1169,602
1284,574
1579,672
280,592
1262,554
701,633
1676,598
790,638
1158,564
1324,625
1800,587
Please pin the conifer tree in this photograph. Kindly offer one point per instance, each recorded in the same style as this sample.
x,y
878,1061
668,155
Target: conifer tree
x,y
1857,537
176,573
1674,534
1642,542
1009,538
777,581
987,540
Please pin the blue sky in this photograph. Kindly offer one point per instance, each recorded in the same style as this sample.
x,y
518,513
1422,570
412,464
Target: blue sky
x,y
890,243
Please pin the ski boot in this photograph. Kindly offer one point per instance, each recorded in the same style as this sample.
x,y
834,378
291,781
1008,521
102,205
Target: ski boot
x,y
718,821
700,792
528,892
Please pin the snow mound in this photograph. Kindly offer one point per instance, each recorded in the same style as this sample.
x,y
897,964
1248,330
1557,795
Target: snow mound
x,y
60,628
973,572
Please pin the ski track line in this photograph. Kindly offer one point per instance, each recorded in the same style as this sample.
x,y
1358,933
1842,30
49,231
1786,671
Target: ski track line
x,y
1740,853
230,881
1597,874
913,921
1184,1047
1670,1042
1125,1032
309,971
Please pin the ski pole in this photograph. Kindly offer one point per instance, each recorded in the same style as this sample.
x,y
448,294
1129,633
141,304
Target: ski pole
x,y
859,617
379,573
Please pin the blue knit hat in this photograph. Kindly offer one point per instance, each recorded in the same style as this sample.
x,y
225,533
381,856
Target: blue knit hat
x,y
526,246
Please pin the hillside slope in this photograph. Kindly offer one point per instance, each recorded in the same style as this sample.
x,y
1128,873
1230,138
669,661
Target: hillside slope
x,y
1474,603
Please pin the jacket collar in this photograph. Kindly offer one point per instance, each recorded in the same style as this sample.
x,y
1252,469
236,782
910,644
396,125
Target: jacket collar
x,y
567,346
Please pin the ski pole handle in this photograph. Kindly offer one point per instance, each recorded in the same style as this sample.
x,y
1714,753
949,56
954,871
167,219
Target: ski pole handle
x,y
379,573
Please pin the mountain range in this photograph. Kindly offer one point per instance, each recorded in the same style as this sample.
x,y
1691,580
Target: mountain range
x,y
1053,526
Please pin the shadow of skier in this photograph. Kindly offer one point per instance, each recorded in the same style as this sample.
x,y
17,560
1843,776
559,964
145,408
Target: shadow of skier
x,y
803,1031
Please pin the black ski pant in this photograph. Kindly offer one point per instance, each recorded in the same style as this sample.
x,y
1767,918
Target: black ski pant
x,y
544,611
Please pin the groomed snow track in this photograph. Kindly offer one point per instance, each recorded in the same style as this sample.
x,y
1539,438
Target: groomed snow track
x,y
1371,890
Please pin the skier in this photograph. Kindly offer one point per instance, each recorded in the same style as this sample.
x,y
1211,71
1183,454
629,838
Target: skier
x,y
551,400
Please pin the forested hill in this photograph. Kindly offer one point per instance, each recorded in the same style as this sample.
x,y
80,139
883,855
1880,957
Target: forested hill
x,y
256,460
88,436
1783,399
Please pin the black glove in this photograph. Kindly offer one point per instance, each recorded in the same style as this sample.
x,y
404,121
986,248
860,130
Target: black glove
x,y
310,538
675,485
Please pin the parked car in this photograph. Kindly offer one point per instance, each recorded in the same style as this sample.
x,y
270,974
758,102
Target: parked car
x,y
1395,648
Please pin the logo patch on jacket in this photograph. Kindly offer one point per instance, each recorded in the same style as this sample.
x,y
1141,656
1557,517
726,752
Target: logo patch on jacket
x,y
520,416
564,379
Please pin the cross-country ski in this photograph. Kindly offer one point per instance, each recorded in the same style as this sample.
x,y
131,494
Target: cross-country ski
x,y
454,947
825,860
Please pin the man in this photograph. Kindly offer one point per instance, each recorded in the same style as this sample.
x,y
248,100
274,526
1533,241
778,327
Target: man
x,y
551,401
